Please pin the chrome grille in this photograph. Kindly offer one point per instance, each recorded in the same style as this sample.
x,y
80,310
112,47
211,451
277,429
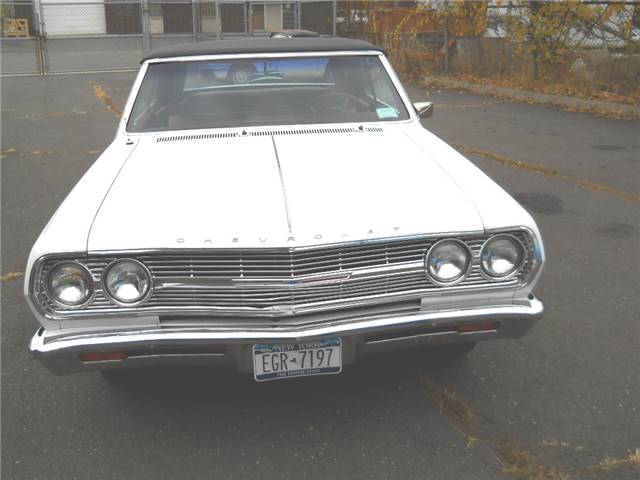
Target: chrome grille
x,y
262,282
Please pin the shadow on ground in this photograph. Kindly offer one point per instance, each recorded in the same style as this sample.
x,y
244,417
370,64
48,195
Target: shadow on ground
x,y
225,387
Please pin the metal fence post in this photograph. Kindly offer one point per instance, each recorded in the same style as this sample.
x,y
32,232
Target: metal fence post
x,y
248,20
446,43
42,39
334,8
218,22
194,20
39,54
146,33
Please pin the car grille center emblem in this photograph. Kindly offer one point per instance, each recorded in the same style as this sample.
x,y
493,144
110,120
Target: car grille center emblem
x,y
294,282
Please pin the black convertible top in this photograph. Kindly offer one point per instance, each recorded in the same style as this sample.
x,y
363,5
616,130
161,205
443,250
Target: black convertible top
x,y
262,45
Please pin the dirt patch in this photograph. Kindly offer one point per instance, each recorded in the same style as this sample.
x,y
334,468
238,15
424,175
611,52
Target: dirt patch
x,y
11,276
36,153
32,153
599,107
449,403
453,106
554,444
105,98
520,463
571,89
608,465
515,460
37,116
550,172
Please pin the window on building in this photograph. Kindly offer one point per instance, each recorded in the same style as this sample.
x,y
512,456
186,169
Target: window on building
x,y
257,18
289,16
122,19
317,17
155,10
177,18
232,17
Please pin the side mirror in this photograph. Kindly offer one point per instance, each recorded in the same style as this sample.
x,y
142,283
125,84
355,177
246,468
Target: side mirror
x,y
424,109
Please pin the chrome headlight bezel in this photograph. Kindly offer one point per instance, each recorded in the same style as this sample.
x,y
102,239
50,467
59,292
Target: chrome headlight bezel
x,y
469,262
523,258
109,294
53,298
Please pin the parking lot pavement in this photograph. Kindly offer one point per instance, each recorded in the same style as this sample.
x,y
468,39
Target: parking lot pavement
x,y
560,403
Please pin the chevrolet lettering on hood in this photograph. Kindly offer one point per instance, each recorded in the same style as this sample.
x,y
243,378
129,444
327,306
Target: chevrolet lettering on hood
x,y
278,205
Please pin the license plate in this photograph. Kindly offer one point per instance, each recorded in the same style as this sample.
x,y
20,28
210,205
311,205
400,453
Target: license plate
x,y
272,361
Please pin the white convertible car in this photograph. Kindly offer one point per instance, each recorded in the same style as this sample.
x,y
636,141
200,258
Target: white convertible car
x,y
276,206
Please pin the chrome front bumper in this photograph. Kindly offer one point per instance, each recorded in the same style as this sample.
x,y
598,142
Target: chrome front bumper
x,y
61,353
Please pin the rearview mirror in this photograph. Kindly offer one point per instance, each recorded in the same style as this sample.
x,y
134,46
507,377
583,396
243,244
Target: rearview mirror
x,y
424,109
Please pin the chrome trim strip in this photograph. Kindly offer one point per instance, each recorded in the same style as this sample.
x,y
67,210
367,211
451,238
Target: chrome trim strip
x,y
294,282
304,248
280,311
282,185
228,56
423,335
299,281
532,309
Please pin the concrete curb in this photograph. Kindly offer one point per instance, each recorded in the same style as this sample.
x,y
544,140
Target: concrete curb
x,y
572,103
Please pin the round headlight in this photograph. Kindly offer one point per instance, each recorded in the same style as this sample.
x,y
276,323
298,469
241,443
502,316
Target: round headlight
x,y
127,282
448,261
70,285
501,256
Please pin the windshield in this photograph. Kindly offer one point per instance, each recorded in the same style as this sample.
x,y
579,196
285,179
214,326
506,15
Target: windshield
x,y
265,91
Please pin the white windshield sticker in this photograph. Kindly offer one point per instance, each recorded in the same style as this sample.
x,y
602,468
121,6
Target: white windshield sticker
x,y
387,112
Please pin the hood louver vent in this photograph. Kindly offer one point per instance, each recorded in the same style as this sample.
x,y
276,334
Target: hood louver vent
x,y
309,131
312,131
202,136
268,133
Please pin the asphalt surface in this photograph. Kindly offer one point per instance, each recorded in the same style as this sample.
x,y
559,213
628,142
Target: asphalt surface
x,y
554,404
68,54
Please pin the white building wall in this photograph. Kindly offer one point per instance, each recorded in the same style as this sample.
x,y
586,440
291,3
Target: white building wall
x,y
273,17
68,17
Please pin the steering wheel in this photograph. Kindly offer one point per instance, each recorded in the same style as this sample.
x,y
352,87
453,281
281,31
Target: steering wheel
x,y
341,106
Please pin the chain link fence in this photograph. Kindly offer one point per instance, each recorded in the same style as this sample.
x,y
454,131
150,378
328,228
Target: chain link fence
x,y
56,36
20,49
599,45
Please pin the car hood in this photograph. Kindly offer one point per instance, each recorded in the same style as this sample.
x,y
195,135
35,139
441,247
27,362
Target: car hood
x,y
275,189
